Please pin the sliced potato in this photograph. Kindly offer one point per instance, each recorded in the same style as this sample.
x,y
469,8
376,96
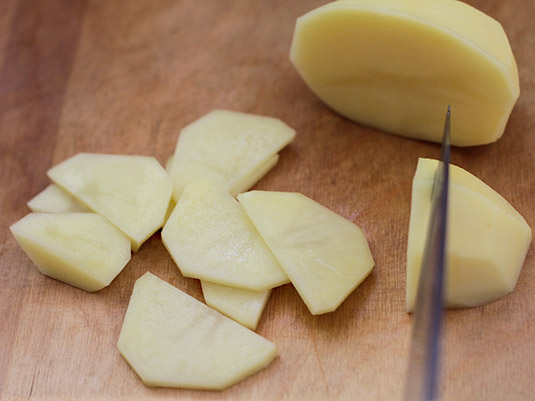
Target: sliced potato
x,y
169,164
487,238
247,182
53,199
243,306
211,238
170,339
81,249
229,147
324,255
243,184
132,192
396,65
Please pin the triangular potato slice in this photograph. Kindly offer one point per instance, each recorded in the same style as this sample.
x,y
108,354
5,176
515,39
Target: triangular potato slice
x,y
172,340
227,146
132,192
244,306
487,238
53,199
324,255
210,237
81,249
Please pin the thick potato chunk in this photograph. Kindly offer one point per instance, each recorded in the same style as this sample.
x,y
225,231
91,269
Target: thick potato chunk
x,y
487,238
81,249
172,340
324,255
396,65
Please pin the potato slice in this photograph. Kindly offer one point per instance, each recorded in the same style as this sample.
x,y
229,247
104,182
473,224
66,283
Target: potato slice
x,y
227,146
211,238
133,192
172,340
243,306
81,249
172,202
169,164
325,256
243,184
487,239
396,65
247,182
53,199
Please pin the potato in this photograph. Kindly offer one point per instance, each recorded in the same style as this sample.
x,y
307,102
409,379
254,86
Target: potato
x,y
170,339
487,239
230,147
210,237
247,182
133,192
241,185
396,65
53,199
324,255
81,249
243,306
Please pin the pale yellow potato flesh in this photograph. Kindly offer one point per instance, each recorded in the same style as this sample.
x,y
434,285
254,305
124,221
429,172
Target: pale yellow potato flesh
x,y
324,255
133,192
169,210
243,306
172,340
397,65
245,183
210,237
172,202
227,146
81,249
169,164
53,199
487,239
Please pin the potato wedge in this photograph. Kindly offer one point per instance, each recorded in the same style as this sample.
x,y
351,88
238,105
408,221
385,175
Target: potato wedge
x,y
487,239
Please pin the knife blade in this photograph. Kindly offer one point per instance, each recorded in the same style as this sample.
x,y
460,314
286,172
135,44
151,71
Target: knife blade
x,y
424,357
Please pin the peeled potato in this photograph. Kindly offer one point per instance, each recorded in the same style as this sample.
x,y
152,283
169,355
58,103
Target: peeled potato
x,y
324,255
132,192
247,182
53,199
487,239
229,147
244,183
396,65
211,238
243,306
172,340
81,249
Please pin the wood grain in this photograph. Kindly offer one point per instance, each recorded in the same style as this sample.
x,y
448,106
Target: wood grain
x,y
124,77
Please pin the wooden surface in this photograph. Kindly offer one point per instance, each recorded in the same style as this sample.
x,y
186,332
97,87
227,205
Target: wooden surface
x,y
124,77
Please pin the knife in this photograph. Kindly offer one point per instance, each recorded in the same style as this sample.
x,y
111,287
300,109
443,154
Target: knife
x,y
423,367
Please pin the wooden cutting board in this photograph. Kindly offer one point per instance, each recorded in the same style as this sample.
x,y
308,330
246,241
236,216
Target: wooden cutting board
x,y
124,77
